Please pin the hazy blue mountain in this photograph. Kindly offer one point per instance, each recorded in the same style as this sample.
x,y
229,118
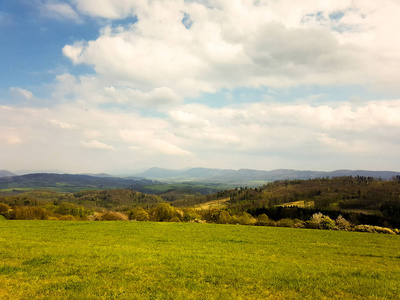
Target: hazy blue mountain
x,y
249,175
160,173
98,175
5,173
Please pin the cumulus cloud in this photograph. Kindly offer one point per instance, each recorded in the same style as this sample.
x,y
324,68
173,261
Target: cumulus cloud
x,y
242,43
148,74
259,135
262,127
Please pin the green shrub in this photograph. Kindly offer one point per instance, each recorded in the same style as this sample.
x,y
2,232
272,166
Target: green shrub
x,y
321,221
138,214
211,215
342,223
327,223
28,213
94,217
163,212
198,221
190,214
67,218
246,219
262,220
373,229
299,223
224,217
114,216
285,223
4,210
311,224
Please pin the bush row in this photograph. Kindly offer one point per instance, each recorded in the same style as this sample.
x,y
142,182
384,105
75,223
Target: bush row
x,y
164,212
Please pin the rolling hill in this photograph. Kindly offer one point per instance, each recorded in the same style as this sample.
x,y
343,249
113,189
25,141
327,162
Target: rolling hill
x,y
5,173
70,182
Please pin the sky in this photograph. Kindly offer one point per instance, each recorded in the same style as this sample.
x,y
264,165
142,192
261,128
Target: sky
x,y
119,86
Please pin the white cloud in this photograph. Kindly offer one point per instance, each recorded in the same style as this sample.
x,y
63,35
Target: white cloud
x,y
13,140
109,9
157,97
242,43
148,72
188,119
166,147
288,127
258,135
59,10
63,125
10,137
94,144
96,90
21,93
74,51
153,141
5,19
91,133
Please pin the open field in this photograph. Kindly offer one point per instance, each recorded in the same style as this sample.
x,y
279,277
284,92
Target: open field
x,y
144,260
220,204
299,204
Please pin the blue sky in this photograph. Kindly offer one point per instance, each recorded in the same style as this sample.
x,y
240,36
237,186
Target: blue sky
x,y
119,86
31,44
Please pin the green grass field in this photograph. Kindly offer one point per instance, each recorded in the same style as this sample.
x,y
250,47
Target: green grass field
x,y
143,260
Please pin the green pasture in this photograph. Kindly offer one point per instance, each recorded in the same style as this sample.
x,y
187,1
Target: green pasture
x,y
144,260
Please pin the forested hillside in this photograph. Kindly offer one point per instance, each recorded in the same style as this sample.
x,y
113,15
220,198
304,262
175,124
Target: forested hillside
x,y
360,200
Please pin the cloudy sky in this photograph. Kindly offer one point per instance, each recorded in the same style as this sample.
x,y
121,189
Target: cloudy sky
x,y
123,85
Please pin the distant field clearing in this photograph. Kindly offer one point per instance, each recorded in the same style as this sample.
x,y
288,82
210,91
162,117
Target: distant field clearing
x,y
213,204
299,204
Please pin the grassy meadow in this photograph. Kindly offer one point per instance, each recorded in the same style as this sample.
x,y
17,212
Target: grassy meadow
x,y
146,260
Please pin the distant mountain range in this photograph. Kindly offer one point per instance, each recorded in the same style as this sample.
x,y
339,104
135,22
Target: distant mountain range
x,y
142,182
248,175
72,183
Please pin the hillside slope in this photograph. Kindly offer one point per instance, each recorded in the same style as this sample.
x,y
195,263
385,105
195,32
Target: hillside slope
x,y
5,173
